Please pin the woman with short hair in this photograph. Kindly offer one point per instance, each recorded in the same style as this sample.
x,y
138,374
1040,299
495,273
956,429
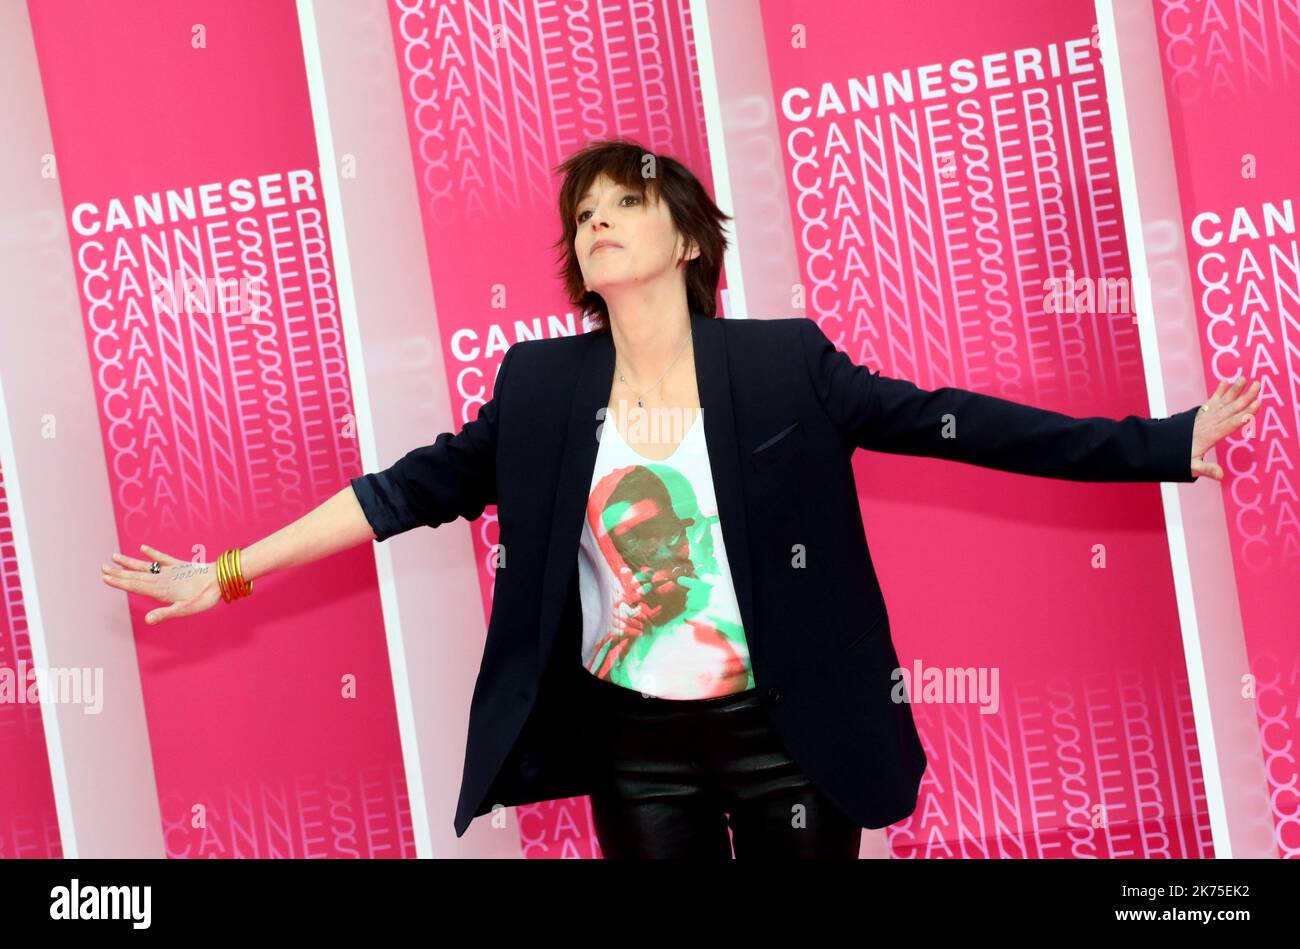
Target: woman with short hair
x,y
689,628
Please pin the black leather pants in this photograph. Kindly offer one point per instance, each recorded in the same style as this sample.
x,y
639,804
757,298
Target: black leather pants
x,y
692,778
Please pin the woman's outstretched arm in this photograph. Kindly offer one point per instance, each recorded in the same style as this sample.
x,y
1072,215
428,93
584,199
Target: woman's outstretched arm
x,y
335,524
453,477
894,415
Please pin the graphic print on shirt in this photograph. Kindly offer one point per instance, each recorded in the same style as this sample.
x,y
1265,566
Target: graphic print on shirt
x,y
674,632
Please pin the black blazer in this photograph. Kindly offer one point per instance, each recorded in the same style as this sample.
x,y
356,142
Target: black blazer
x,y
785,412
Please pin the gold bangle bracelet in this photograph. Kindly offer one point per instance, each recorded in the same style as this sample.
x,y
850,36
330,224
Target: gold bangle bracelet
x,y
221,577
232,571
230,577
231,583
242,586
239,572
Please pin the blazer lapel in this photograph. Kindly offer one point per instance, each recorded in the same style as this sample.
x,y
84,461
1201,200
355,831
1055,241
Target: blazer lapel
x,y
578,462
713,379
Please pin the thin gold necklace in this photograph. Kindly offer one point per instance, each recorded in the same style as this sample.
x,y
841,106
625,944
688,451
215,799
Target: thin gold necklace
x,y
640,396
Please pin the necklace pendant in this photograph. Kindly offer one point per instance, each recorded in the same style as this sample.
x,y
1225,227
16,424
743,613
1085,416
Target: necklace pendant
x,y
640,404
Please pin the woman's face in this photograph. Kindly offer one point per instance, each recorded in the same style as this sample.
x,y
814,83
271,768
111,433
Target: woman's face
x,y
646,244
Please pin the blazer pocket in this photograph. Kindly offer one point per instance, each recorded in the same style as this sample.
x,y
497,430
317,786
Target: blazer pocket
x,y
781,445
861,635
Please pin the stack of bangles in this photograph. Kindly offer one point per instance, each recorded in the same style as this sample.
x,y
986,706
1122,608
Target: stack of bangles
x,y
230,578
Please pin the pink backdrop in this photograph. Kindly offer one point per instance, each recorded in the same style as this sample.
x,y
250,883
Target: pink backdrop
x,y
225,419
1239,183
942,163
931,206
495,100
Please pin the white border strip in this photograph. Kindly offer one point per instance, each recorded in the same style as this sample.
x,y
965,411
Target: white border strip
x,y
1130,202
36,636
365,429
714,132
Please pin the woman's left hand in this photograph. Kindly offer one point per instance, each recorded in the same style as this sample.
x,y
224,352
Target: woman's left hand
x,y
1226,411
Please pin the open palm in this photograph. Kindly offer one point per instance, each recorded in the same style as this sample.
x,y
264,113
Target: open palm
x,y
1226,411
188,587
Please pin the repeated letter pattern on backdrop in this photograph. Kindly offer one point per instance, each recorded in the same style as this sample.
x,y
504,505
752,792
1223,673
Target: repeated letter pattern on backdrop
x,y
956,212
198,232
1232,82
954,195
497,96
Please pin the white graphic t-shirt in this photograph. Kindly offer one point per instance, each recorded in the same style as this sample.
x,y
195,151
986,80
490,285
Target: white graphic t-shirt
x,y
659,612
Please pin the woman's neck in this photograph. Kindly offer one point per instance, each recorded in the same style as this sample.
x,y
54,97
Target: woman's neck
x,y
647,342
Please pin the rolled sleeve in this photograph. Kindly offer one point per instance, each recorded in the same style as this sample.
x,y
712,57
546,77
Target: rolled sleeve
x,y
383,504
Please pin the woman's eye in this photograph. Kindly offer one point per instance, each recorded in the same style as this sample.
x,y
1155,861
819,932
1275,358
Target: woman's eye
x,y
583,215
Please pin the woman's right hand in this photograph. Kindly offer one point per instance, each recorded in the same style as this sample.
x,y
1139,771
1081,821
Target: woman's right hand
x,y
188,587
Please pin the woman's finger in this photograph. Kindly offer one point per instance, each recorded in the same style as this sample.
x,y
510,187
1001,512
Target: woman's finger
x,y
1239,404
1251,410
132,563
158,555
1223,401
1207,469
128,581
1237,422
132,581
154,617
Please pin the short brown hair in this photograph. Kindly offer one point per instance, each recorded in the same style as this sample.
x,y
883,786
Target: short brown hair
x,y
693,212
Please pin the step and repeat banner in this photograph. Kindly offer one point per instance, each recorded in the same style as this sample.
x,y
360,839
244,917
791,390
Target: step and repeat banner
x,y
495,100
950,176
952,182
1232,83
202,254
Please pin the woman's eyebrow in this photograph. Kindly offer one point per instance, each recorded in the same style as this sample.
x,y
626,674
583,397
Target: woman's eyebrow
x,y
588,194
